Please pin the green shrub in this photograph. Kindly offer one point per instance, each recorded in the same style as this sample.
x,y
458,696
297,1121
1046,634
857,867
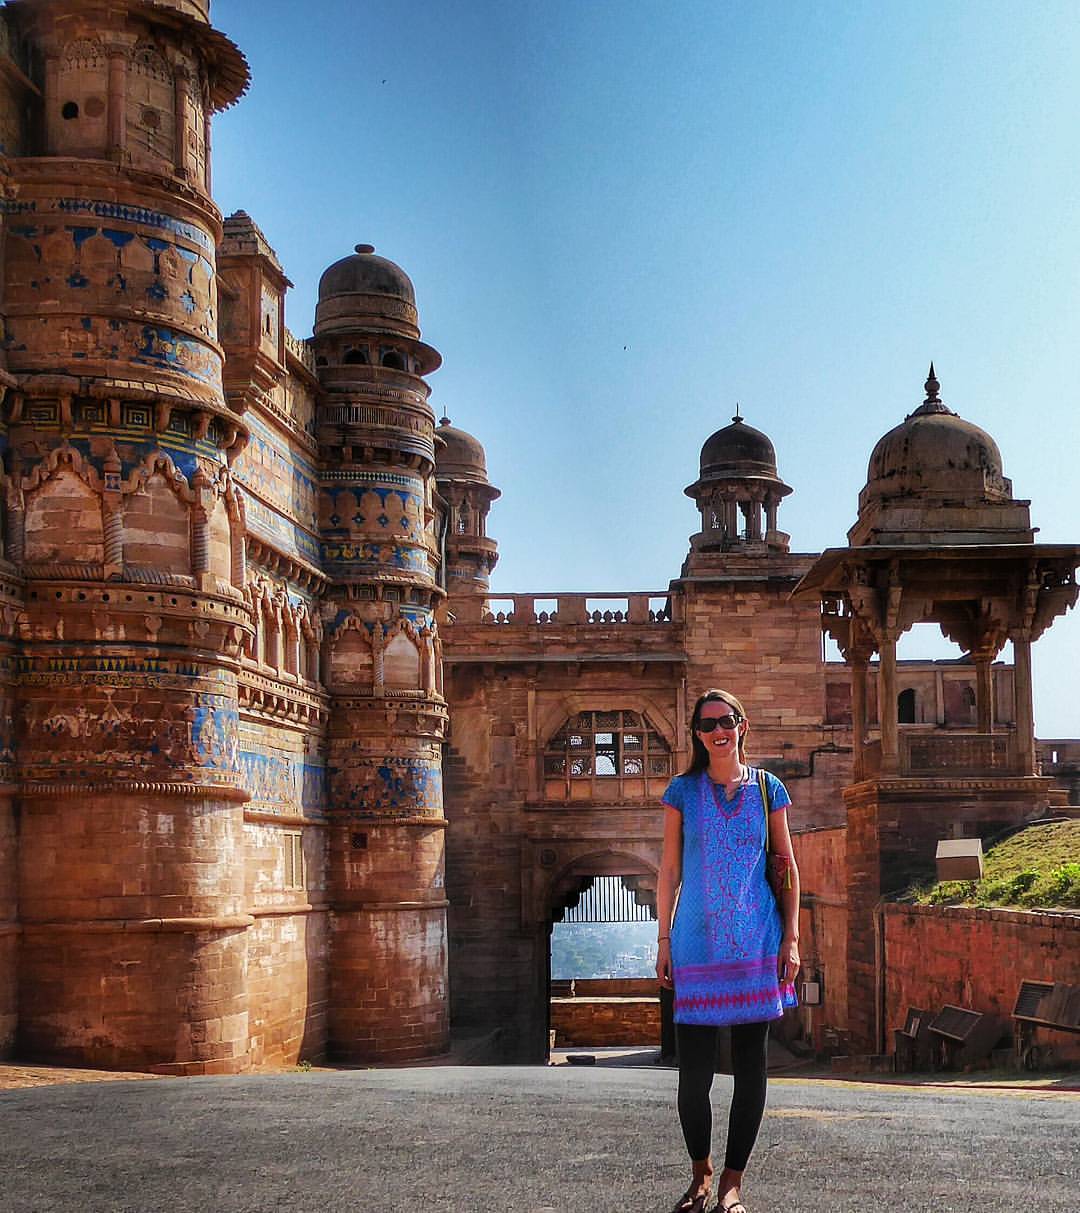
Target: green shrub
x,y
951,892
1058,887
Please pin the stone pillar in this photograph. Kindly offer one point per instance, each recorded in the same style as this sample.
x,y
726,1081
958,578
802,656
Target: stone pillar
x,y
771,504
117,102
16,528
984,693
208,185
52,112
181,157
1025,712
858,667
731,518
890,754
753,520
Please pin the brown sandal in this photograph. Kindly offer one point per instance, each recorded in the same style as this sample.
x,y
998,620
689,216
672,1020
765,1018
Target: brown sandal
x,y
695,1204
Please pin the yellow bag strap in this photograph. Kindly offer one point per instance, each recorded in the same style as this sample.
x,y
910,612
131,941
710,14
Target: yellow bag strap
x,y
763,785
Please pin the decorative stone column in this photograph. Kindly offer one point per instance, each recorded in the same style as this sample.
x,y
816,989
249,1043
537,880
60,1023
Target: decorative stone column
x,y
984,691
1025,712
890,753
858,667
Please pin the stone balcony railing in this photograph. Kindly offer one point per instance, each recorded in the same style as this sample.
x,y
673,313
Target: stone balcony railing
x,y
553,609
922,753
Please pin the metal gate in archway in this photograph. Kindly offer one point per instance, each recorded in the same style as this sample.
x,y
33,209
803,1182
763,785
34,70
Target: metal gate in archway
x,y
608,899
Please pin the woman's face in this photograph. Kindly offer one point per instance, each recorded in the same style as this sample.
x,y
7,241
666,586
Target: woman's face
x,y
720,741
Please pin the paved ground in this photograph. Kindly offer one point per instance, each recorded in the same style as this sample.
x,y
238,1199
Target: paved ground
x,y
561,1139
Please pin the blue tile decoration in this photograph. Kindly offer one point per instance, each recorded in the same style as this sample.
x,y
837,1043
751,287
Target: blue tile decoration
x,y
283,533
390,787
93,725
391,555
110,210
172,351
284,782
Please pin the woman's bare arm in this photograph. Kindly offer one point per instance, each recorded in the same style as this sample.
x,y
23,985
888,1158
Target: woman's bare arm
x,y
783,855
667,885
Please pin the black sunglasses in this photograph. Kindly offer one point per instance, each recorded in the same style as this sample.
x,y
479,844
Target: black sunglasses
x,y
718,722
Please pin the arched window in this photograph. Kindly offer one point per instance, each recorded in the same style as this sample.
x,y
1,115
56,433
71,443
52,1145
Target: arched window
x,y
602,755
905,707
355,358
393,360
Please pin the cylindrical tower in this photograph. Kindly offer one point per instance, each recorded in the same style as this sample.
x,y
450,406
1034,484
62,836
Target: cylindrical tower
x,y
121,517
388,997
462,479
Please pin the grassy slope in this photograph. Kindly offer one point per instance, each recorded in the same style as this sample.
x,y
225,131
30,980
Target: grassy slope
x,y
1039,867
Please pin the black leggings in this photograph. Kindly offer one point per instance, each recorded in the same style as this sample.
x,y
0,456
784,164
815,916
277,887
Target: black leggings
x,y
697,1064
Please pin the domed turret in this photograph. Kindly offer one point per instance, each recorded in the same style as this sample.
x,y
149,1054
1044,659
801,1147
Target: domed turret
x,y
371,295
363,273
462,480
460,457
937,478
738,450
738,481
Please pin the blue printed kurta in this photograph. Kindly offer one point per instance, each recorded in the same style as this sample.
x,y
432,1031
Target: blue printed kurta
x,y
727,930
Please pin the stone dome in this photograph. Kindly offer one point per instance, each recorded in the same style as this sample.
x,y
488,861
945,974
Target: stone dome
x,y
938,479
736,451
934,451
364,291
363,273
459,455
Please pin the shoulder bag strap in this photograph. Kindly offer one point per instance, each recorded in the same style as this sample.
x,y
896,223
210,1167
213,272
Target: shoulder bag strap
x,y
763,786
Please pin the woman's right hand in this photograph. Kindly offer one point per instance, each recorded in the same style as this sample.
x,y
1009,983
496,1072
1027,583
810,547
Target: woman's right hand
x,y
663,964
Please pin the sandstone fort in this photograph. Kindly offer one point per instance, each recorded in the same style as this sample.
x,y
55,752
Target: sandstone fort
x,y
282,780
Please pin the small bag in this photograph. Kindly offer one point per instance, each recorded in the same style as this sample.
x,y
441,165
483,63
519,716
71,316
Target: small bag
x,y
777,867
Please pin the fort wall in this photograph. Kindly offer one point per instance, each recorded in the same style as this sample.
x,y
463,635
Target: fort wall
x,y
977,958
244,595
822,858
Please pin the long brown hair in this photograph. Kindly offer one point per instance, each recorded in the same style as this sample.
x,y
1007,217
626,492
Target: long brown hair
x,y
699,759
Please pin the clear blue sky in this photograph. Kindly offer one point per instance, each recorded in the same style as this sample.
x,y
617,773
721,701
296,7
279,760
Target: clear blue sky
x,y
623,217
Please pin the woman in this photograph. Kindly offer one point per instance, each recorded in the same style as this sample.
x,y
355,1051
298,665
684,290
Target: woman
x,y
731,952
